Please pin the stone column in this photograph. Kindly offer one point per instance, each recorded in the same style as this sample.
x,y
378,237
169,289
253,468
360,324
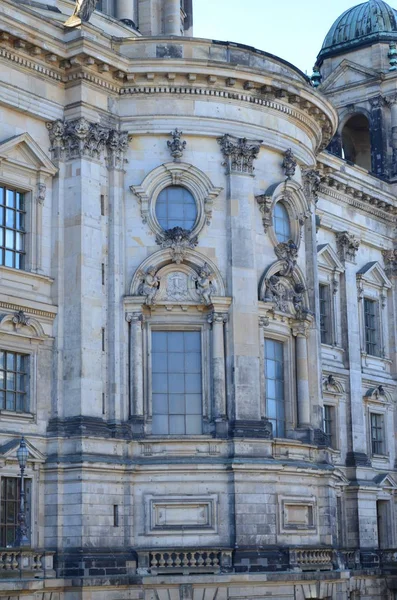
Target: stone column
x,y
135,320
172,17
347,246
125,10
300,331
243,343
218,371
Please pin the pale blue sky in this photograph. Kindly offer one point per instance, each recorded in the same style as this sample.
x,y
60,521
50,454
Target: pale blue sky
x,y
291,29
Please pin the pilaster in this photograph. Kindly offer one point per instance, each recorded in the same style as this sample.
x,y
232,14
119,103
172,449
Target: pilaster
x,y
347,246
243,343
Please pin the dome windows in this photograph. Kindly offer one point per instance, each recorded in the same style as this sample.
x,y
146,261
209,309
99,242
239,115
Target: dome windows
x,y
176,207
281,223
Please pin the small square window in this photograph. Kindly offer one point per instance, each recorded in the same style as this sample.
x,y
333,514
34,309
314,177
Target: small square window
x,y
377,433
14,384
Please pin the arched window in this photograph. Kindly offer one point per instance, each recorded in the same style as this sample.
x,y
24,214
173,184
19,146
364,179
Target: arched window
x,y
281,223
356,141
176,207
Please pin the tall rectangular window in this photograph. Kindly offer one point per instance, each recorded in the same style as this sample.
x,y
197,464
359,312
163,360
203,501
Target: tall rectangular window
x,y
14,381
371,328
9,507
176,382
328,422
377,434
12,228
325,315
274,377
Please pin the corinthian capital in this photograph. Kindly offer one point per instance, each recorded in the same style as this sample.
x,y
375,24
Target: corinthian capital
x,y
239,153
80,138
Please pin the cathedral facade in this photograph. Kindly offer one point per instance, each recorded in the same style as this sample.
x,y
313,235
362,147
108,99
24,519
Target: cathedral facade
x,y
198,270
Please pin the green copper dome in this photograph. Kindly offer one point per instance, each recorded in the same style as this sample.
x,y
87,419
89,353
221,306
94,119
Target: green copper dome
x,y
362,25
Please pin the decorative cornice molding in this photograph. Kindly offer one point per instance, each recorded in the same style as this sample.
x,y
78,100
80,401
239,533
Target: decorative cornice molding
x,y
33,311
79,137
347,246
30,64
345,193
239,153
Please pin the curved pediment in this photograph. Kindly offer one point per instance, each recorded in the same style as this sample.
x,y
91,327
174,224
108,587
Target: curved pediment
x,y
162,281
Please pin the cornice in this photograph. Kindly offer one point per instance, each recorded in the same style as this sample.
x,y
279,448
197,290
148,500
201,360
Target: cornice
x,y
28,309
81,59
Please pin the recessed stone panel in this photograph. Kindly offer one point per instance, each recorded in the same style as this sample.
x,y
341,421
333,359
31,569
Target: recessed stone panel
x,y
169,514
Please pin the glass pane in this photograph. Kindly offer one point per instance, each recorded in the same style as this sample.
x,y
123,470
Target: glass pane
x,y
1,235
271,369
192,341
194,424
21,403
159,383
193,362
160,425
10,218
19,259
9,258
2,195
10,198
160,404
159,363
177,424
270,388
2,380
176,383
20,201
271,408
193,404
2,400
175,363
9,239
175,341
177,404
193,383
11,361
159,341
19,241
2,359
10,401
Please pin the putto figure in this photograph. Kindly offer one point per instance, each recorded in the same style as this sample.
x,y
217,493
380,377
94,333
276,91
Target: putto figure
x,y
150,285
82,12
205,285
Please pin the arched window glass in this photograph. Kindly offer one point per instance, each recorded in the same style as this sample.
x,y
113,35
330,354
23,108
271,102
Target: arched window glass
x,y
282,226
356,141
176,207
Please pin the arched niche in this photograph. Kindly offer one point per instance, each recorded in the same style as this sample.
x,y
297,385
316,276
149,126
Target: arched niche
x,y
356,141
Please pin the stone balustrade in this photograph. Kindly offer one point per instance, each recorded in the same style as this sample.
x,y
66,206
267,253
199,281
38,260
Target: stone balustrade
x,y
312,559
27,563
184,561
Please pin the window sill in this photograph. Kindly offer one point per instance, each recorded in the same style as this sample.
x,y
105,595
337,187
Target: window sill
x,y
9,415
381,457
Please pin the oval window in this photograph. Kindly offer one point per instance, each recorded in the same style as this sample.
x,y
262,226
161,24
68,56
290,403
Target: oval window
x,y
176,207
281,223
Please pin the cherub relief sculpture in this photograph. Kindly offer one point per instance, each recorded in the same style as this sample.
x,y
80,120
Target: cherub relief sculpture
x,y
150,285
205,285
